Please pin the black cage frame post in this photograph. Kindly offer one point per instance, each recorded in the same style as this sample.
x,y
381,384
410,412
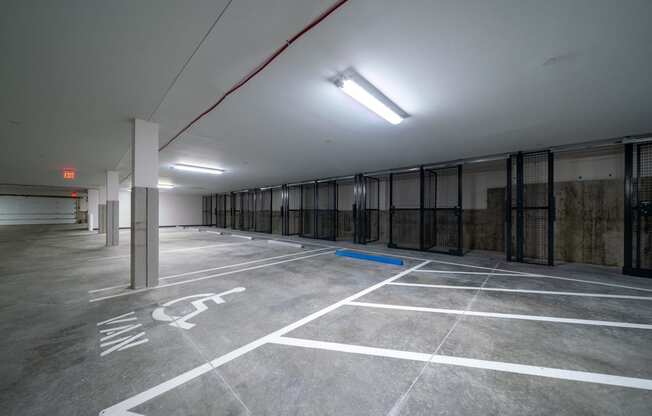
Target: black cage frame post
x,y
358,209
216,210
520,208
285,205
638,210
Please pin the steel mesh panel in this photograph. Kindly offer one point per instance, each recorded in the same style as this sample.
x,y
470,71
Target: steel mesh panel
x,y
294,210
535,180
405,210
277,220
645,173
535,205
248,211
308,211
263,210
440,218
221,212
535,235
326,215
373,229
372,211
642,214
345,209
229,218
405,228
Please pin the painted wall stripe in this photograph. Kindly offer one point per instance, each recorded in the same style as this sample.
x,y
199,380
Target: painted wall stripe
x,y
530,370
503,315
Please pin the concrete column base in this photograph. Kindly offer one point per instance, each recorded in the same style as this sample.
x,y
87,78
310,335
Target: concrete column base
x,y
144,237
112,223
101,211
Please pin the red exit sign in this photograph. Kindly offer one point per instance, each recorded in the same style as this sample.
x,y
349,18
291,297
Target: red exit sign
x,y
69,174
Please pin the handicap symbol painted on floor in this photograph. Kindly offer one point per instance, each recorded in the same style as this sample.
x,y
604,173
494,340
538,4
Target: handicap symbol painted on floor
x,y
199,304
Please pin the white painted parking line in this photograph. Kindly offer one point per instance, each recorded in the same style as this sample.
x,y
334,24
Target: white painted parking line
x,y
108,288
167,251
115,318
510,272
471,273
212,269
197,279
538,292
530,370
246,237
122,408
503,315
242,264
285,243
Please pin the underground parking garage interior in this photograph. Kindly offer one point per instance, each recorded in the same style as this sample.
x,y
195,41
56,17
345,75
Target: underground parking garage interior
x,y
323,207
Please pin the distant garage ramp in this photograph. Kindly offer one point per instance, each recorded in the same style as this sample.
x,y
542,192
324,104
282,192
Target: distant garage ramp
x,y
36,210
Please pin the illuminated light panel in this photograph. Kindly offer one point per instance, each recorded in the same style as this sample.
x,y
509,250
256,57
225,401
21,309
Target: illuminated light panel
x,y
199,169
162,185
69,174
358,88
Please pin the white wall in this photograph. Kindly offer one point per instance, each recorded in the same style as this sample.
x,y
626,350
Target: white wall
x,y
36,210
174,209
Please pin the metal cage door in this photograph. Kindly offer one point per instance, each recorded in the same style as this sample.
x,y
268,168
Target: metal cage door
x,y
442,210
530,208
638,209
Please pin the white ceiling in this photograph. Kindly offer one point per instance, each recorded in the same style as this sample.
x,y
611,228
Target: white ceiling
x,y
478,77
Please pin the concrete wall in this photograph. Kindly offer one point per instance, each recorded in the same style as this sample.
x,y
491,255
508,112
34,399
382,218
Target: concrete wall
x,y
590,215
174,209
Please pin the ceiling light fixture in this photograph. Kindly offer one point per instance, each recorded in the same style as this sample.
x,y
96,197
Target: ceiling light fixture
x,y
361,90
195,168
165,185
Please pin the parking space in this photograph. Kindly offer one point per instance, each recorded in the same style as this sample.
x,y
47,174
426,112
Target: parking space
x,y
249,327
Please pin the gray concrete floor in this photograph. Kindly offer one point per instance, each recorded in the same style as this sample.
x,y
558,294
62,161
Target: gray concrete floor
x,y
312,333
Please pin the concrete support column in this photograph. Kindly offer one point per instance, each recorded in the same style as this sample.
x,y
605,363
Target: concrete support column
x,y
93,201
112,209
101,211
144,205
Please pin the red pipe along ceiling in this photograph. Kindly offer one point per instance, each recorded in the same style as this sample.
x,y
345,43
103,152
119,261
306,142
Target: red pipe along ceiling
x,y
258,69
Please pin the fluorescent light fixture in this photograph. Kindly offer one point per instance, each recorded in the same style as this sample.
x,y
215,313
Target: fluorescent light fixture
x,y
195,168
361,90
162,185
